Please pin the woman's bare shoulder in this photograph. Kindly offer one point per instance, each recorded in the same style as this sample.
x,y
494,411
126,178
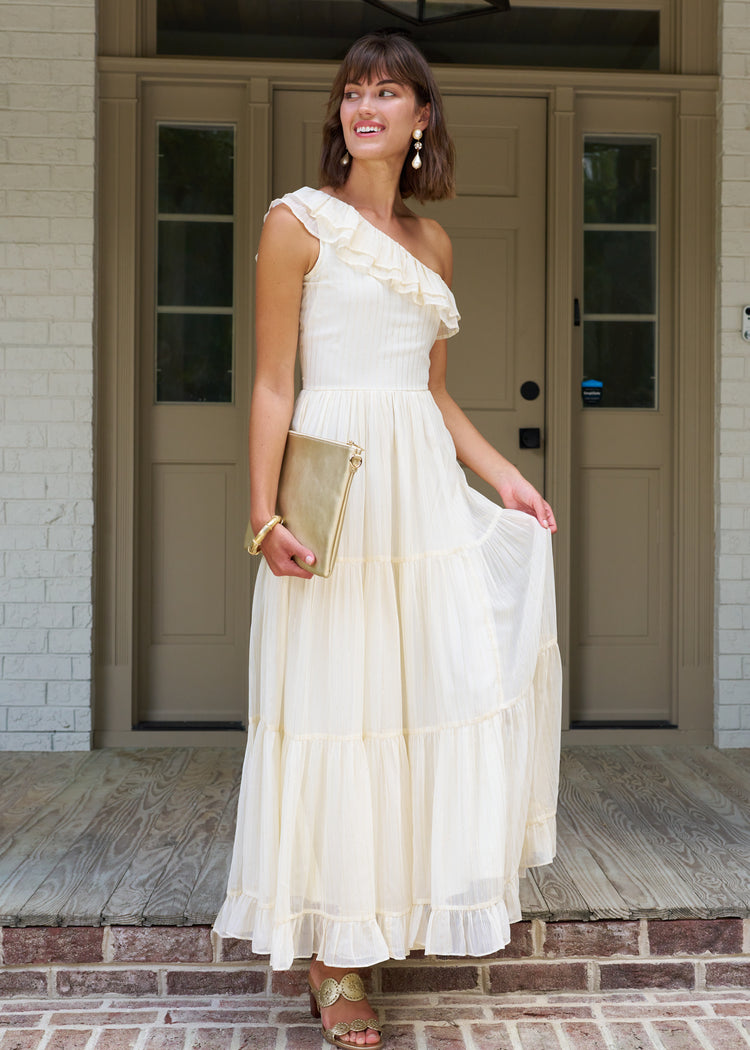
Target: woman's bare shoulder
x,y
438,246
284,235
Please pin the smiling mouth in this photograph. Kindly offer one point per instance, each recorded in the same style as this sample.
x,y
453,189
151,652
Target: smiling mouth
x,y
368,129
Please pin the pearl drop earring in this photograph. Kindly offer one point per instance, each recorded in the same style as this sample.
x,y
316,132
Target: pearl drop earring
x,y
416,162
345,159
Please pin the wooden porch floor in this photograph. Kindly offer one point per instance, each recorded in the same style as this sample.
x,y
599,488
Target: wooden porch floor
x,y
144,836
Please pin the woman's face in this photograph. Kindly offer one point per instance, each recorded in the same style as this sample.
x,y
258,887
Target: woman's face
x,y
378,117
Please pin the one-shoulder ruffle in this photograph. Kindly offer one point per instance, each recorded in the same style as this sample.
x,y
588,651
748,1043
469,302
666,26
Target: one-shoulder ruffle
x,y
369,250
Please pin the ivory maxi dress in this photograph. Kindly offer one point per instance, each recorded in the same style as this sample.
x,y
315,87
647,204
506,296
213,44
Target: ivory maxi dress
x,y
402,766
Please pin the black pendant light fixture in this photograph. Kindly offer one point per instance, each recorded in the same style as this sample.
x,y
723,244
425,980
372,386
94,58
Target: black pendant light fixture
x,y
428,12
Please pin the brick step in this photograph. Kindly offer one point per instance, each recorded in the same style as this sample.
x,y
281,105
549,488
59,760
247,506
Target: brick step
x,y
603,955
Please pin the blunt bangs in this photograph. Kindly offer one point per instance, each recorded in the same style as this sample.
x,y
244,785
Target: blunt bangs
x,y
369,61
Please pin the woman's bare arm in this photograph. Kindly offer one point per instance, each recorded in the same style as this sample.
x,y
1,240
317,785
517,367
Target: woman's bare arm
x,y
286,253
471,447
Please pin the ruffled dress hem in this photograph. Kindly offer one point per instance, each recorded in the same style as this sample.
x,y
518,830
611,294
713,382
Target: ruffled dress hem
x,y
482,929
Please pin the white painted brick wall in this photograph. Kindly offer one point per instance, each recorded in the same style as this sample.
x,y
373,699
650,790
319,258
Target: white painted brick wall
x,y
732,700
47,80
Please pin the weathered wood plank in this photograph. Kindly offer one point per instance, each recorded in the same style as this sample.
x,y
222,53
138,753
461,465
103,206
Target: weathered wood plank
x,y
602,899
14,762
738,757
717,767
646,881
533,904
173,845
171,895
79,886
208,892
33,787
654,805
33,852
560,893
707,802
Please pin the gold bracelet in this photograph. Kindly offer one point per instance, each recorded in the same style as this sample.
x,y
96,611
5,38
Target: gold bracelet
x,y
254,547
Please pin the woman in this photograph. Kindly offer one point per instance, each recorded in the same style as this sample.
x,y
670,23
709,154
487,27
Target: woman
x,y
402,768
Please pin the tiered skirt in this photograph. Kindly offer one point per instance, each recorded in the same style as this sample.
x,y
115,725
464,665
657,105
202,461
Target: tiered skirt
x,y
402,767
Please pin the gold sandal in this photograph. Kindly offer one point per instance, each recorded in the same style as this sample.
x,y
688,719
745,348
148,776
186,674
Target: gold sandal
x,y
330,991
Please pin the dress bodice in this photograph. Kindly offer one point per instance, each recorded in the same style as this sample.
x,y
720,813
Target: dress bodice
x,y
370,310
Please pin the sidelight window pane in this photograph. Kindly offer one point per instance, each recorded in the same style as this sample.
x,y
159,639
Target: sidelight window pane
x,y
194,357
620,354
196,170
195,264
619,182
620,271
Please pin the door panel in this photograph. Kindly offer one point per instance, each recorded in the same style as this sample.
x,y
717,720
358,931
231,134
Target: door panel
x,y
622,559
190,509
497,225
194,577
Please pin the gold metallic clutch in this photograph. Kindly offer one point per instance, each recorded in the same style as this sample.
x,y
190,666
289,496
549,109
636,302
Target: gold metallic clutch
x,y
314,483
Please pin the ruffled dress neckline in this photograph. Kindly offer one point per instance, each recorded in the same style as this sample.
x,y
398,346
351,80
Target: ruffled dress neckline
x,y
387,236
367,249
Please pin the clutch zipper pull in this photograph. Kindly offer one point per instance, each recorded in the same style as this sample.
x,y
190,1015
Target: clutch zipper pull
x,y
356,457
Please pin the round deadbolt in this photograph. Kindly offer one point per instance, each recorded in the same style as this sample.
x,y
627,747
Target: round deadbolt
x,y
529,390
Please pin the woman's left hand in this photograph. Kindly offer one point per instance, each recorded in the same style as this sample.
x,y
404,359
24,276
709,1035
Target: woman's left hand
x,y
519,494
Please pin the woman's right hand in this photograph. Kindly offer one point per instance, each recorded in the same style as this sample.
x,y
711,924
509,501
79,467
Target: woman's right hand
x,y
279,547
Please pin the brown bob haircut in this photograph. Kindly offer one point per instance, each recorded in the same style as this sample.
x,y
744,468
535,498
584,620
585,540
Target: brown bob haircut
x,y
393,56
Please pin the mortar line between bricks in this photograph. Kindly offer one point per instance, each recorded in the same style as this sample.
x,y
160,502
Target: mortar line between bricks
x,y
515,1038
46,1038
538,932
562,1038
653,1036
694,1027
737,1024
419,1036
609,1039
464,1029
236,1036
140,1043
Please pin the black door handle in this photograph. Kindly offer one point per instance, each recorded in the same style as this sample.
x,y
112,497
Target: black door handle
x,y
529,437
